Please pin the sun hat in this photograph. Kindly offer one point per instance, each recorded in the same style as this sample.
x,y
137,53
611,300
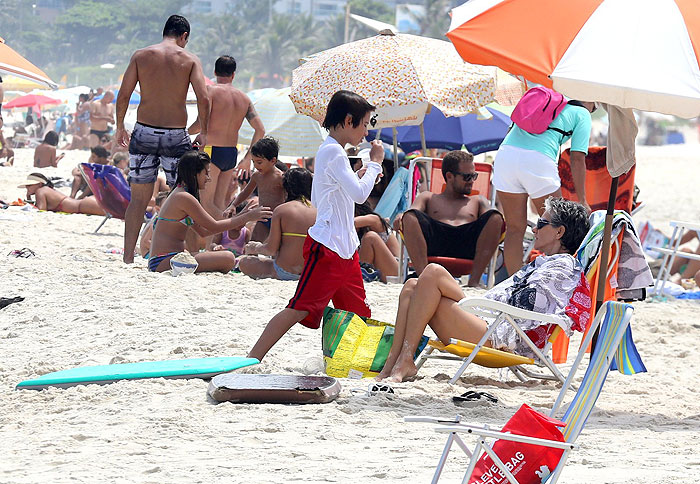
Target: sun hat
x,y
32,180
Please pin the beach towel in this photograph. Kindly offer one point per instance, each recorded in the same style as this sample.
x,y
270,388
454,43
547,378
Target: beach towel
x,y
394,200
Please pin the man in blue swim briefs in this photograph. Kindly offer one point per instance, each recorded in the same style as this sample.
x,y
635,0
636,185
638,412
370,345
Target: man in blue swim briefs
x,y
164,72
229,107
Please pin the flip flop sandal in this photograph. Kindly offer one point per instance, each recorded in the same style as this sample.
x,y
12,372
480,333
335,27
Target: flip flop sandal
x,y
24,253
6,301
380,389
472,396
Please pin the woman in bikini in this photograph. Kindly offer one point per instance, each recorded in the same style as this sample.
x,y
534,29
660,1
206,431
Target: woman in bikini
x,y
290,223
182,210
379,247
48,198
45,153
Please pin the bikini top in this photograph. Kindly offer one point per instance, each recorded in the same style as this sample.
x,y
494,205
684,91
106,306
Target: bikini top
x,y
292,234
186,221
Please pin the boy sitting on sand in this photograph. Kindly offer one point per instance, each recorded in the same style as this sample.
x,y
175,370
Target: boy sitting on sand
x,y
268,180
331,266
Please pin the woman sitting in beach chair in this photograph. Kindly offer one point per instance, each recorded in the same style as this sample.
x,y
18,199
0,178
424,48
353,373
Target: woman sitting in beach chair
x,y
182,210
48,198
546,285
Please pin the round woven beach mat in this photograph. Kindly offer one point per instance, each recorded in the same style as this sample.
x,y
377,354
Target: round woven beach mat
x,y
248,388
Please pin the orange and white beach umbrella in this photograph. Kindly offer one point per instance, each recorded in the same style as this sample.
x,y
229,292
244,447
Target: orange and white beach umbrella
x,y
13,63
400,74
639,54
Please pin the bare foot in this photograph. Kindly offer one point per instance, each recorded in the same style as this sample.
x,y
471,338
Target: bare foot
x,y
385,373
128,259
403,371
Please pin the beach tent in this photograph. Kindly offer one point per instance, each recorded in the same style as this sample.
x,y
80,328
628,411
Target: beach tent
x,y
13,63
642,54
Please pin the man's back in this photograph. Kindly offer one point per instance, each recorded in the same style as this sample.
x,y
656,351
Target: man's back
x,y
229,107
164,72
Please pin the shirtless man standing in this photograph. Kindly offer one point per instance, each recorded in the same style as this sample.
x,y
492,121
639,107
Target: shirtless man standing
x,y
229,106
452,223
164,71
101,113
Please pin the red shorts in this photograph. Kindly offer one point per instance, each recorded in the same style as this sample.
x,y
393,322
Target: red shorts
x,y
327,276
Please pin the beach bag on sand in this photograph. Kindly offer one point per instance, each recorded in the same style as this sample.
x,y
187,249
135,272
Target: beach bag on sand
x,y
354,347
529,463
537,109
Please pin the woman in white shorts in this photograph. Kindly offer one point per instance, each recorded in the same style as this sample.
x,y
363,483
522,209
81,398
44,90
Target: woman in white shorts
x,y
526,167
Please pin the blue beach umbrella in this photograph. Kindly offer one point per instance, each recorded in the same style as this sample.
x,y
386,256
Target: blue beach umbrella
x,y
477,134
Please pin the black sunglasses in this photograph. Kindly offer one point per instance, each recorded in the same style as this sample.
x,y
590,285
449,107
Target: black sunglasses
x,y
467,176
542,222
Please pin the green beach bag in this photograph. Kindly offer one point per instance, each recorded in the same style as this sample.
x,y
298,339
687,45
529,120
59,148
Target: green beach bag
x,y
355,347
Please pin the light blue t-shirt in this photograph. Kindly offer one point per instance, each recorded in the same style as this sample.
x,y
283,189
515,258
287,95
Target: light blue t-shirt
x,y
571,118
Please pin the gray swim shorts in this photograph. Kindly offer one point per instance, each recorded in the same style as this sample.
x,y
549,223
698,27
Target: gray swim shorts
x,y
151,147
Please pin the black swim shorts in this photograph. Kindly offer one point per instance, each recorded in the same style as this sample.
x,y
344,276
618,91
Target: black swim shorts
x,y
446,240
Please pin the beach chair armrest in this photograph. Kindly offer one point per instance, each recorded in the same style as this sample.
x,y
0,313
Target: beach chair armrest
x,y
524,439
476,305
433,420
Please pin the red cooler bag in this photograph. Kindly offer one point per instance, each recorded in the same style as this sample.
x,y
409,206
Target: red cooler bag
x,y
530,464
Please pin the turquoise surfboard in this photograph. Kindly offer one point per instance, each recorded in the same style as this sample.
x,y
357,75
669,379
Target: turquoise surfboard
x,y
103,374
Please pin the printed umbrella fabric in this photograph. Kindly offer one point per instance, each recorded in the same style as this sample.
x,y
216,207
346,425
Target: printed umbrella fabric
x,y
298,135
639,54
13,63
400,74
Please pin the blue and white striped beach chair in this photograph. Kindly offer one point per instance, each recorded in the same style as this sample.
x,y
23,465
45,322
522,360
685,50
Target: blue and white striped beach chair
x,y
614,350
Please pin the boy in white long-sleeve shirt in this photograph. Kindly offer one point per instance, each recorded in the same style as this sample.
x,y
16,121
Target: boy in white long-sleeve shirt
x,y
331,267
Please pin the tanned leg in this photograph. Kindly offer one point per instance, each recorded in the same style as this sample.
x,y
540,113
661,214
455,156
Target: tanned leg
x,y
486,245
515,213
399,329
140,196
275,329
374,251
415,242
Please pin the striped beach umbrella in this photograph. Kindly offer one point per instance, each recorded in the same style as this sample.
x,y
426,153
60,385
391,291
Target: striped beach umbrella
x,y
13,63
639,54
298,135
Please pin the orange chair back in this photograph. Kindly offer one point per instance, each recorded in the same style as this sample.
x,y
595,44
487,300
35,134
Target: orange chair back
x,y
598,181
482,185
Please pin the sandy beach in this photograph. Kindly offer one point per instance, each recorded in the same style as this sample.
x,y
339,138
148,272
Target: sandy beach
x,y
83,306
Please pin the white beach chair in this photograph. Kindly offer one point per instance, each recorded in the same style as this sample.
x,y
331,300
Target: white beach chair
x,y
614,341
469,353
670,254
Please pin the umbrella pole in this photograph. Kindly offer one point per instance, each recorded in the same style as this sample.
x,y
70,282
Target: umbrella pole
x,y
605,253
396,150
422,140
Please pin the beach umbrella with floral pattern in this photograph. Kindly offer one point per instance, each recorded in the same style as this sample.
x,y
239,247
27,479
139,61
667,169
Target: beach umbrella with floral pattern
x,y
400,74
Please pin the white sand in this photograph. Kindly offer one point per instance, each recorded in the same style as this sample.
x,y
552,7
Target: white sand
x,y
84,307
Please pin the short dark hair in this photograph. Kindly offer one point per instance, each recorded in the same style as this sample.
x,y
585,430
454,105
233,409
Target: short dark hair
x,y
100,152
343,103
266,147
451,161
51,138
175,26
189,166
225,66
297,184
573,217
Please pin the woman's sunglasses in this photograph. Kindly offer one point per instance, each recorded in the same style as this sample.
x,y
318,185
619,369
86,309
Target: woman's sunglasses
x,y
542,222
467,176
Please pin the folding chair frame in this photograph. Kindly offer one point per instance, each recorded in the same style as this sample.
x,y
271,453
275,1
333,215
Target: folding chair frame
x,y
506,314
679,229
483,432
